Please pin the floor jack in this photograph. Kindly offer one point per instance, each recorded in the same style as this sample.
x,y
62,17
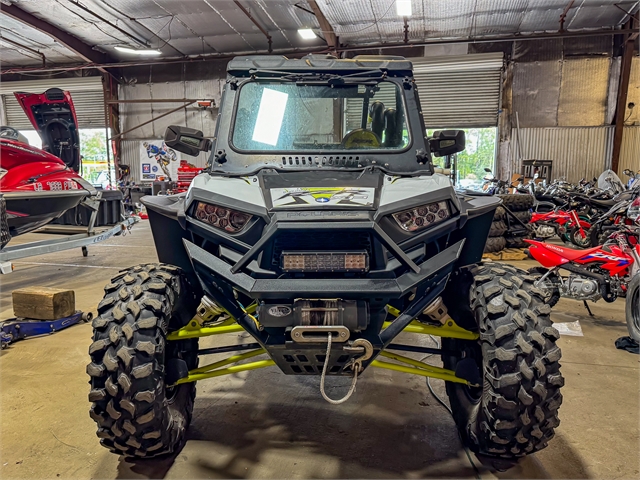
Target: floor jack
x,y
20,328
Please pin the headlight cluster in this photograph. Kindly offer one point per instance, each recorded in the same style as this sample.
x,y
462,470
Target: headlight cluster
x,y
422,217
221,217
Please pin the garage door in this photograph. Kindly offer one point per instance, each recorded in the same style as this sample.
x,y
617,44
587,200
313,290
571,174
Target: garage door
x,y
459,91
86,92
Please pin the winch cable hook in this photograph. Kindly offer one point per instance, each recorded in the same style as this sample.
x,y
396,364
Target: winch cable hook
x,y
356,366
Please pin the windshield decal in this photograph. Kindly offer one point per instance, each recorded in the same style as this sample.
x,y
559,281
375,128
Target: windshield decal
x,y
313,197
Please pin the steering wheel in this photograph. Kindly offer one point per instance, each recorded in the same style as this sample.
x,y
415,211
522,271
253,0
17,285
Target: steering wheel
x,y
9,132
360,138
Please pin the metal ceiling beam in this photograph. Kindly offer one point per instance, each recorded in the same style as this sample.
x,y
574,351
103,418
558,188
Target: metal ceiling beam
x,y
74,44
327,30
301,51
563,16
255,22
24,47
621,102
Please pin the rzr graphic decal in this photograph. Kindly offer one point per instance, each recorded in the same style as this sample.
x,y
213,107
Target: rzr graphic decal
x,y
310,197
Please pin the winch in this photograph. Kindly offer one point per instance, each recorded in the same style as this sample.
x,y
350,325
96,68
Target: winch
x,y
352,314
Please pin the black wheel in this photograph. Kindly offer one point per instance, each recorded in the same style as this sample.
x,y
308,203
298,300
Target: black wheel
x,y
5,236
517,203
499,214
497,229
524,216
578,239
597,236
514,409
550,284
633,308
132,365
495,244
516,242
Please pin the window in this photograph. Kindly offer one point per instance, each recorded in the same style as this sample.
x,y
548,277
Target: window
x,y
479,154
292,117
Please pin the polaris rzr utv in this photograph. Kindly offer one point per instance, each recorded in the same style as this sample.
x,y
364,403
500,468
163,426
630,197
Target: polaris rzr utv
x,y
321,228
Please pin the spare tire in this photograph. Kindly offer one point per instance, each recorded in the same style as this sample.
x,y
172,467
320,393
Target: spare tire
x,y
524,216
517,202
516,242
499,214
497,229
495,244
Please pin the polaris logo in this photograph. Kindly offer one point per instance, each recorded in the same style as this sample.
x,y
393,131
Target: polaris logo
x,y
279,311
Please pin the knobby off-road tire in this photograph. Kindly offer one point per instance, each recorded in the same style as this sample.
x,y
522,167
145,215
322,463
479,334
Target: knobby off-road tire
x,y
499,214
515,410
495,244
633,308
5,236
517,202
497,228
516,242
524,216
136,413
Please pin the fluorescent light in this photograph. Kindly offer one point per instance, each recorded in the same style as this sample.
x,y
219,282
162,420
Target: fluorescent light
x,y
270,115
403,8
134,51
306,33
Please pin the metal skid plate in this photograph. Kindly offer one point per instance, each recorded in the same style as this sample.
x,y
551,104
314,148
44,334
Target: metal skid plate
x,y
295,359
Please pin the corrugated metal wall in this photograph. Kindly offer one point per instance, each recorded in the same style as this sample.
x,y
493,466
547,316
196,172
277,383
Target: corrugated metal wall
x,y
192,116
578,152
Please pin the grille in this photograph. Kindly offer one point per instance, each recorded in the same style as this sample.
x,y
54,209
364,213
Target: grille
x,y
319,241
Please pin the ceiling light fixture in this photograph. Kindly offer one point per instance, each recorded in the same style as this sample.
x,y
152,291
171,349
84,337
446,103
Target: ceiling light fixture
x,y
403,8
142,51
306,33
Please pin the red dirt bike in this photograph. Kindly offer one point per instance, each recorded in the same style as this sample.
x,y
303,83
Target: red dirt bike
x,y
565,224
608,271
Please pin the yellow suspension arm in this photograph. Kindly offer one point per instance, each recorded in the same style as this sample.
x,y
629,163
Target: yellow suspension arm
x,y
417,368
449,330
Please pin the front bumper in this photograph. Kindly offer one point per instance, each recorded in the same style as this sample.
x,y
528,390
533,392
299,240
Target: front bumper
x,y
209,265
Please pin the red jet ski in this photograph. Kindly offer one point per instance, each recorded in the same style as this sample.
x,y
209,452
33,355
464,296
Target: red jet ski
x,y
39,185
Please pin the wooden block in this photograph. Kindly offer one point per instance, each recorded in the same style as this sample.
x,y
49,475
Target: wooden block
x,y
43,303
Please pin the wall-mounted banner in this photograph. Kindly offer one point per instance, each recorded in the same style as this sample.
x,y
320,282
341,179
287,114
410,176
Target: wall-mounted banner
x,y
158,160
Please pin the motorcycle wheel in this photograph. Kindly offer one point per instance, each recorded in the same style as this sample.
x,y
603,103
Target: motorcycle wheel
x,y
579,240
633,308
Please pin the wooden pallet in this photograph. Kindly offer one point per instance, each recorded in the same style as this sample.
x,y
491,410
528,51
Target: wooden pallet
x,y
510,254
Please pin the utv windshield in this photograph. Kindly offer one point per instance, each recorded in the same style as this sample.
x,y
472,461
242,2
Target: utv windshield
x,y
289,117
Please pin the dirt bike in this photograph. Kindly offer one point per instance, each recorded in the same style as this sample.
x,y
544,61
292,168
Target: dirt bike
x,y
565,224
608,272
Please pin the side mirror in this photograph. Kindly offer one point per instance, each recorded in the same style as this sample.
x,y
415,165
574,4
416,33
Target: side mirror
x,y
487,169
186,140
446,142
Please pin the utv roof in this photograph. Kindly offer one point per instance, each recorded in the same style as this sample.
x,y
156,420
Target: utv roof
x,y
270,65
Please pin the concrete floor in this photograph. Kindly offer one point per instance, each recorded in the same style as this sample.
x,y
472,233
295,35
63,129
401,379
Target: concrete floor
x,y
263,424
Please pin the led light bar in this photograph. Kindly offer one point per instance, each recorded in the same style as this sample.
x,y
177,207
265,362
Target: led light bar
x,y
423,216
223,218
325,262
